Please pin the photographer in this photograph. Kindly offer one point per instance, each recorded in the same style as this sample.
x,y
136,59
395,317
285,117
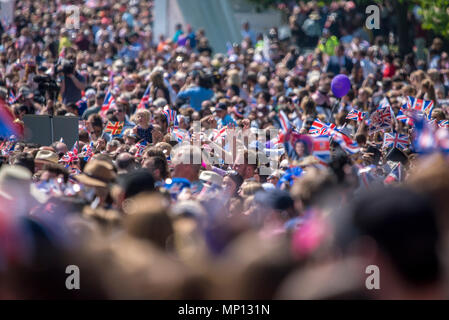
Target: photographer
x,y
72,82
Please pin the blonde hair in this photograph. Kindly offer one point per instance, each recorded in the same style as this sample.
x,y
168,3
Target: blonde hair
x,y
249,188
145,114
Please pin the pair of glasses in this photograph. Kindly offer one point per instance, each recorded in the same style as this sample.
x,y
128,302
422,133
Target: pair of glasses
x,y
118,111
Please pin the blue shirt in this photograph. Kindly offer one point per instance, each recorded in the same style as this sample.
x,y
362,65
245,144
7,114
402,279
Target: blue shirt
x,y
225,121
196,96
131,51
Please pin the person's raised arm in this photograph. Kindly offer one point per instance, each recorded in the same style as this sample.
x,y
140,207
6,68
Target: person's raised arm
x,y
79,84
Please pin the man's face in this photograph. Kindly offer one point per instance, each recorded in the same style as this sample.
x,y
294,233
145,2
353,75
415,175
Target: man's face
x,y
97,130
240,166
119,113
220,113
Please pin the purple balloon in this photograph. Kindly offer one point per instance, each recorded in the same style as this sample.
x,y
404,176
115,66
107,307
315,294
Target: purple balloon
x,y
340,85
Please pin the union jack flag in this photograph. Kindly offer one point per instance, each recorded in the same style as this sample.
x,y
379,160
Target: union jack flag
x,y
356,115
319,128
180,135
220,134
345,142
109,100
115,128
70,157
395,140
88,151
425,106
146,97
283,120
12,98
140,147
395,175
404,117
7,147
82,103
381,119
321,148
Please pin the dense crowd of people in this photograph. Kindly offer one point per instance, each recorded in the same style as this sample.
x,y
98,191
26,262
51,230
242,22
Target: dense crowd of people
x,y
250,174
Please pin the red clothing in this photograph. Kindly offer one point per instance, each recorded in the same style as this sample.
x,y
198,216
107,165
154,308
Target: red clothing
x,y
389,70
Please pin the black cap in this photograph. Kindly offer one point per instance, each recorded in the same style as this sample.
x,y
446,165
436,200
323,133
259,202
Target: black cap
x,y
221,106
397,155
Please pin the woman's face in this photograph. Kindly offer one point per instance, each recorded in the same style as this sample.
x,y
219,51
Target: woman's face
x,y
229,186
300,149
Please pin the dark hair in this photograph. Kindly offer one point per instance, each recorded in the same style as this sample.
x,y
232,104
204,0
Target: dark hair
x,y
96,120
25,160
136,182
238,180
57,170
266,95
159,163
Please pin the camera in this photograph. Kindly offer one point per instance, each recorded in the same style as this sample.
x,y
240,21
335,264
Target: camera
x,y
45,84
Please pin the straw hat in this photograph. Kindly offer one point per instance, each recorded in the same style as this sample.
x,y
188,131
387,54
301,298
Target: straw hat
x,y
97,173
211,177
46,156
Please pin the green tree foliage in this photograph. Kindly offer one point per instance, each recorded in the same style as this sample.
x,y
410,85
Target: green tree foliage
x,y
435,14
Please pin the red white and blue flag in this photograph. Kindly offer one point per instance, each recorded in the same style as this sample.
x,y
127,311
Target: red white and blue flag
x,y
170,115
140,147
425,106
12,98
319,128
356,115
395,140
443,124
395,175
321,148
381,119
88,151
404,117
180,135
146,97
221,134
283,120
346,143
109,101
70,157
